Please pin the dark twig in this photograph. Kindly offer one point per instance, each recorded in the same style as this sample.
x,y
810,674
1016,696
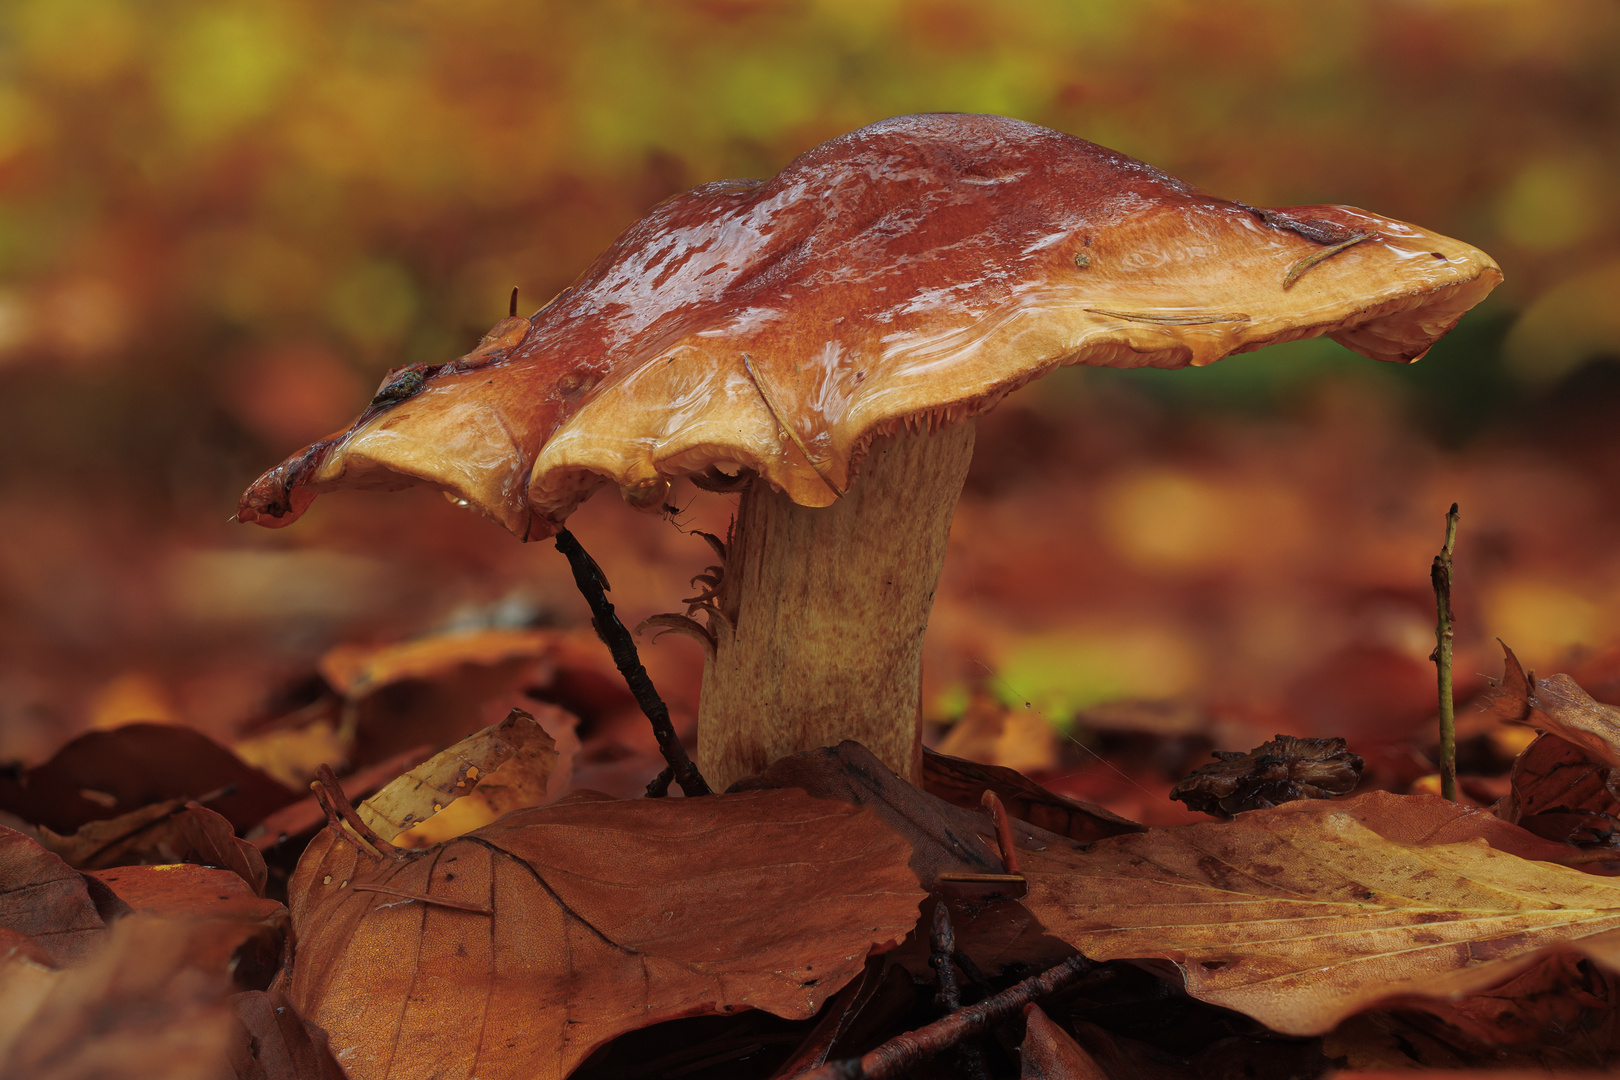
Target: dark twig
x,y
905,1052
942,950
593,585
339,812
1440,577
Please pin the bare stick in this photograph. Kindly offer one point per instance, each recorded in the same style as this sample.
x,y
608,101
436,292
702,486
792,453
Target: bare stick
x,y
905,1052
942,950
593,585
1440,576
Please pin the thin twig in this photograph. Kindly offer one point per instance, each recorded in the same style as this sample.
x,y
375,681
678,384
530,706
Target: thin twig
x,y
905,1052
1440,576
593,586
942,950
339,812
1004,838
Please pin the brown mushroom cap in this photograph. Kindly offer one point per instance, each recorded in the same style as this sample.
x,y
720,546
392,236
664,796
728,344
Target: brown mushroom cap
x,y
911,272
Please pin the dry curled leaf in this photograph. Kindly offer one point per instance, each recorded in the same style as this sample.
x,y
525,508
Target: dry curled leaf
x,y
1556,775
46,900
450,774
1560,706
1283,770
102,774
166,832
1302,915
518,949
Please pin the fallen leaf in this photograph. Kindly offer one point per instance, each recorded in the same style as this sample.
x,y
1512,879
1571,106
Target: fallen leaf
x,y
434,689
103,774
948,844
136,1010
292,754
516,950
273,1042
300,820
47,900
944,839
166,832
1050,1053
1553,774
232,930
532,776
1558,706
991,733
1302,915
880,997
963,783
1561,1012
1561,707
453,773
357,670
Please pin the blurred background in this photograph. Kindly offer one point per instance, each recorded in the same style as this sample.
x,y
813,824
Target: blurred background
x,y
221,222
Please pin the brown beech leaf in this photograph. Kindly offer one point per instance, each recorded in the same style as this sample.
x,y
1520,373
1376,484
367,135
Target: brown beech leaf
x,y
136,1010
1560,706
944,839
963,783
450,774
232,930
166,832
516,950
273,1042
356,670
1050,1053
1508,698
299,820
948,844
1554,774
47,900
1303,914
102,774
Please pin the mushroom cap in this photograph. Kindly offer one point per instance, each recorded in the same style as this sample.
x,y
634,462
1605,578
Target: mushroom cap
x,y
912,272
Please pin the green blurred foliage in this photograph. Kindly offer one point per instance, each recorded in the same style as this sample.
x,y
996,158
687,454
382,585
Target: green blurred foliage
x,y
192,188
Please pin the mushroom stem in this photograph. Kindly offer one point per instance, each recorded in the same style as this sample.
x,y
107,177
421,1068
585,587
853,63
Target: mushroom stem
x,y
825,610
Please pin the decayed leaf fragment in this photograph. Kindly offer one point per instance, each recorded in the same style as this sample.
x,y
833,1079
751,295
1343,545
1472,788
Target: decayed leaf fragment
x,y
517,949
167,832
455,772
1301,915
1282,770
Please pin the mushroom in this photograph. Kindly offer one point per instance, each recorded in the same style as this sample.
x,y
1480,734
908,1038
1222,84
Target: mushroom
x,y
821,341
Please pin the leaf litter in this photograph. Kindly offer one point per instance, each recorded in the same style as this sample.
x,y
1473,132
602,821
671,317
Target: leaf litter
x,y
1356,915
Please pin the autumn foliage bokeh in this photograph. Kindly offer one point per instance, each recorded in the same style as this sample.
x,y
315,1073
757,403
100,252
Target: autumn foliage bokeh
x,y
220,223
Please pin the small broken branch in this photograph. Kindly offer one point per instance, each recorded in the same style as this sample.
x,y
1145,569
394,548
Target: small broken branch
x,y
942,951
1004,838
900,1055
592,584
343,818
1440,577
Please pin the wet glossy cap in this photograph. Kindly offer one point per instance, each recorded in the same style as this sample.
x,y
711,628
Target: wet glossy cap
x,y
914,271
